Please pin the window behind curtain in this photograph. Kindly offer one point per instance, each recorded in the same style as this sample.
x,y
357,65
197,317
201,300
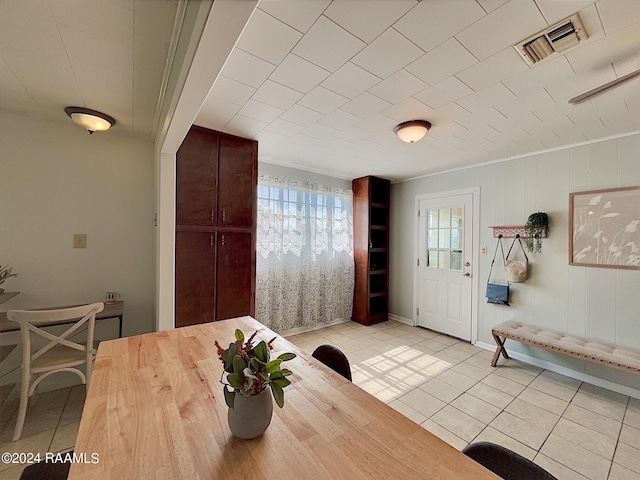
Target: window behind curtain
x,y
305,263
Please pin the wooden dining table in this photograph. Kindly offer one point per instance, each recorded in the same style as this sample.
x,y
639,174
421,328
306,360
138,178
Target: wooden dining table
x,y
155,410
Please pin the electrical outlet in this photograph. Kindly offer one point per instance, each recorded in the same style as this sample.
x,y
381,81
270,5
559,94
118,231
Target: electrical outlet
x,y
79,240
484,250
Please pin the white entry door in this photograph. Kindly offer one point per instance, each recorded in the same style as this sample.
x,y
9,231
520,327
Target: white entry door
x,y
444,265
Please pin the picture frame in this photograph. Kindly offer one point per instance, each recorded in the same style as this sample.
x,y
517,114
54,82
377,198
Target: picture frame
x,y
604,228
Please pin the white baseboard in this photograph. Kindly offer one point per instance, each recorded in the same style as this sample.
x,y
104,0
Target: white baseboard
x,y
584,377
297,330
400,319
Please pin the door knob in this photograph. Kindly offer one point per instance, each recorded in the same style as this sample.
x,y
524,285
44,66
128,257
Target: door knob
x,y
466,274
467,264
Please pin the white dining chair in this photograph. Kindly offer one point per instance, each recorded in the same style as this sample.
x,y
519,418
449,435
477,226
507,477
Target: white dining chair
x,y
59,354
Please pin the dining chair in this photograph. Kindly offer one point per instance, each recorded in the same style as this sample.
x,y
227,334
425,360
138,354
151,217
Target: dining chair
x,y
59,354
505,463
333,358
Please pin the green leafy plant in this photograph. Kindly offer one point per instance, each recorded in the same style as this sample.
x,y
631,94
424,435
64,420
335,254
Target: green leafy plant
x,y
250,369
536,227
6,272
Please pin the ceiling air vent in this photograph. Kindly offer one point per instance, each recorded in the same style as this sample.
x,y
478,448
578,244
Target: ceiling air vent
x,y
557,38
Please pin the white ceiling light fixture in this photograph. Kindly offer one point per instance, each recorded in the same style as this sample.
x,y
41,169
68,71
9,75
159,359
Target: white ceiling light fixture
x,y
92,120
412,131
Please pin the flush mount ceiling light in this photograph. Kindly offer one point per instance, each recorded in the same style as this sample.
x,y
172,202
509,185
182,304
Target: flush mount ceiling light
x,y
92,120
412,131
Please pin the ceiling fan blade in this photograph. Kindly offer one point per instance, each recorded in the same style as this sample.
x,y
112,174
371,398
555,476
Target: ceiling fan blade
x,y
604,88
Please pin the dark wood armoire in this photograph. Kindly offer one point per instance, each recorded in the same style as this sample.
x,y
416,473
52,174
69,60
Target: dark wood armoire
x,y
371,249
216,186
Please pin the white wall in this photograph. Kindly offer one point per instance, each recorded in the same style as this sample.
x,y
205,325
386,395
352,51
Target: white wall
x,y
57,180
600,303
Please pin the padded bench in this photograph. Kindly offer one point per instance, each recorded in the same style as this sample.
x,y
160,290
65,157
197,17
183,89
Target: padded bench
x,y
609,354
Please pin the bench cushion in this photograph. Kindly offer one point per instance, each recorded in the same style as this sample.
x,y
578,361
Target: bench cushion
x,y
595,350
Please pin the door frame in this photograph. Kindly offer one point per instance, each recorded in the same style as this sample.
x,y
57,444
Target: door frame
x,y
475,249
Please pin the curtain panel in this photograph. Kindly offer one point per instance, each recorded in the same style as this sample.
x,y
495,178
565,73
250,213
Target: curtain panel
x,y
305,267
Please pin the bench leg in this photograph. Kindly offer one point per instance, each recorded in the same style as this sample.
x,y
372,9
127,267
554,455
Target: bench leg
x,y
500,349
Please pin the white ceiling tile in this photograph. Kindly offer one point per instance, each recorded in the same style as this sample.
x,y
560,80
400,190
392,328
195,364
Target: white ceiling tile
x,y
297,14
13,95
512,22
284,128
398,86
163,13
244,126
377,124
301,115
366,105
554,11
368,20
231,91
445,20
442,93
355,134
492,70
340,119
328,45
409,109
350,81
442,62
490,5
268,38
543,74
564,90
516,107
485,99
216,113
277,95
303,141
387,54
318,130
270,137
322,100
246,68
260,111
618,14
297,73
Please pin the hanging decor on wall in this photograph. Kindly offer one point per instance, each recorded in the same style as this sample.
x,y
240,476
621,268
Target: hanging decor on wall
x,y
604,228
536,229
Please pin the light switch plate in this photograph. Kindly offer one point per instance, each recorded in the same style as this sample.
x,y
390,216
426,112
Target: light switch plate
x,y
79,240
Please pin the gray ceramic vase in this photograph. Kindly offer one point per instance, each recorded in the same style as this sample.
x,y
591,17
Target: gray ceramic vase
x,y
250,416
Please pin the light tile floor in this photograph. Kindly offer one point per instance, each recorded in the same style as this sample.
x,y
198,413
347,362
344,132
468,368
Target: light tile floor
x,y
573,429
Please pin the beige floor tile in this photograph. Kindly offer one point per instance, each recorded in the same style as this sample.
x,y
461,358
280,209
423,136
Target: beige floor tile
x,y
424,333
382,336
485,355
630,435
422,402
514,374
408,376
576,458
12,473
407,411
480,363
444,434
560,379
65,437
628,457
432,344
38,443
632,416
532,414
467,347
604,394
531,434
40,417
491,395
550,387
542,400
72,413
457,380
446,340
441,390
410,338
5,391
592,420
618,472
586,438
598,405
477,408
492,435
525,367
456,353
557,469
470,371
458,423
503,384
446,359
382,390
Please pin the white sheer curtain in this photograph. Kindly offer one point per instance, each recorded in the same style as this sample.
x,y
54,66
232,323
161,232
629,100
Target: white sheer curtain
x,y
305,267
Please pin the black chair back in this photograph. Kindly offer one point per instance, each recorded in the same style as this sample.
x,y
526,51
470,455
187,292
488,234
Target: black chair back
x,y
333,358
505,463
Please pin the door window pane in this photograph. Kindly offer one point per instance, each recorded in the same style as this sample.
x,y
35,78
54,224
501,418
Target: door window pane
x,y
455,238
456,217
432,240
433,259
443,259
433,218
444,238
456,260
445,218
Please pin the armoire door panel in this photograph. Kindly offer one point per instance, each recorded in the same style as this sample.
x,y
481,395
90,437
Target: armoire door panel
x,y
236,184
196,174
195,277
234,276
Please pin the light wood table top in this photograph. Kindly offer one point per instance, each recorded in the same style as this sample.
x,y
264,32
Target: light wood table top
x,y
155,410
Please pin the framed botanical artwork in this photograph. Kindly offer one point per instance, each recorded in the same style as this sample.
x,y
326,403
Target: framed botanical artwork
x,y
604,228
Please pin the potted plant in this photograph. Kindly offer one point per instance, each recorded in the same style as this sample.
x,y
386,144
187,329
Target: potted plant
x,y
250,374
5,272
536,228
